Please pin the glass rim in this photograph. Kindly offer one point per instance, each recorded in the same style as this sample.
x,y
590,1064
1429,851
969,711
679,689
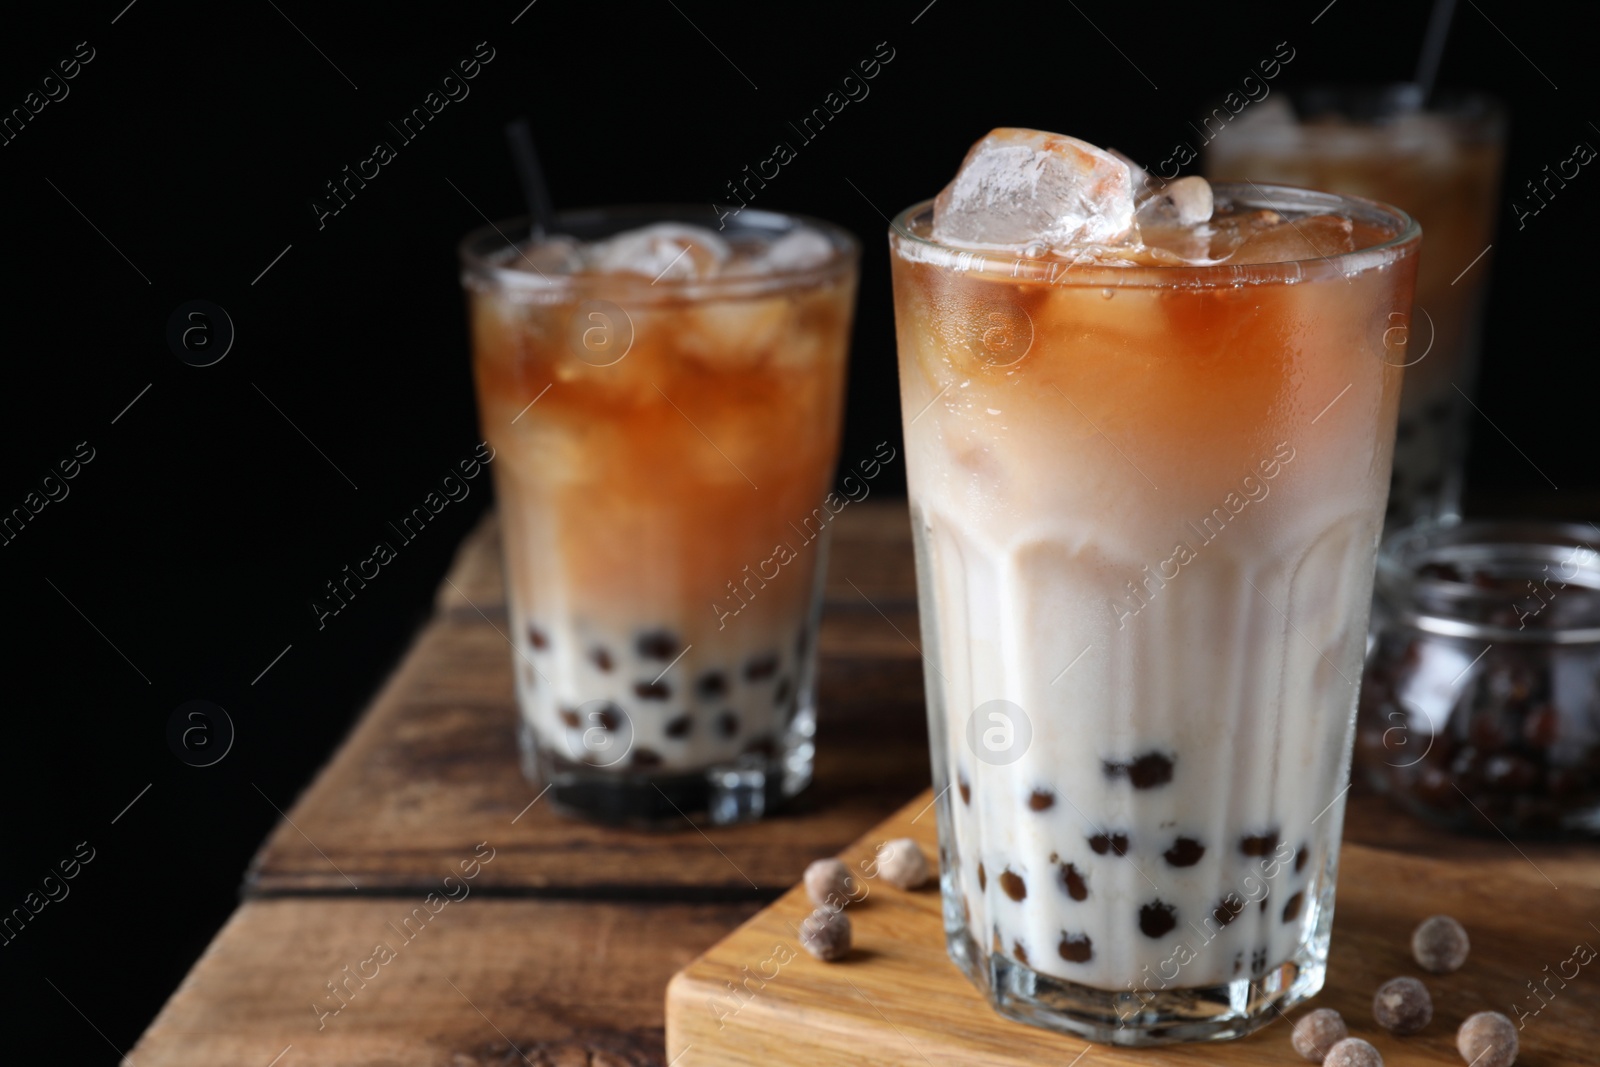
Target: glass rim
x,y
478,249
1016,267
1415,598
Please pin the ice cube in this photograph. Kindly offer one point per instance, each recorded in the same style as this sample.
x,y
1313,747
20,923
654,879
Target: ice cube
x,y
1142,185
1020,187
553,255
1312,237
1271,115
662,251
1185,202
800,249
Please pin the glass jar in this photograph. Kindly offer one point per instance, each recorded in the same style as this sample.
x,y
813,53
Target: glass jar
x,y
1480,705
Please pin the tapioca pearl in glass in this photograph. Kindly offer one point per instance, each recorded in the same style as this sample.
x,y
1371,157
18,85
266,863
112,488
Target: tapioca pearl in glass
x,y
761,667
658,645
712,685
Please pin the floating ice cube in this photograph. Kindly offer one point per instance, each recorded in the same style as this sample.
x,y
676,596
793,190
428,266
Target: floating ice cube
x,y
800,249
553,255
1312,237
662,251
1020,187
1185,202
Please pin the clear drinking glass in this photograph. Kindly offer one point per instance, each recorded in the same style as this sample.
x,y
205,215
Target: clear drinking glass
x,y
1442,165
1146,503
662,451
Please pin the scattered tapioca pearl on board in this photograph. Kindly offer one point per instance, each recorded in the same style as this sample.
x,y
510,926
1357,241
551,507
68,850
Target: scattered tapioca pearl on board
x,y
1353,1052
1402,1006
902,864
1440,944
825,933
1317,1032
1487,1039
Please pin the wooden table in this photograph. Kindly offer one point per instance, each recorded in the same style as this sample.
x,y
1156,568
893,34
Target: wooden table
x,y
361,942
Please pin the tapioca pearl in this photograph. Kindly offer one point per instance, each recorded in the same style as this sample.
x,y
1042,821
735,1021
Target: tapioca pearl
x,y
569,718
1012,885
761,667
712,685
1073,881
1301,857
1157,919
1262,844
1258,962
1076,948
964,789
728,723
1291,910
538,638
1146,771
983,878
1238,961
762,746
609,717
1228,909
1018,952
658,644
1185,852
652,690
1116,844
679,727
1041,800
644,758
1150,770
601,658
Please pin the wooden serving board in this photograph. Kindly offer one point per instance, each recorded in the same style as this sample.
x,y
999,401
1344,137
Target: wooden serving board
x,y
897,999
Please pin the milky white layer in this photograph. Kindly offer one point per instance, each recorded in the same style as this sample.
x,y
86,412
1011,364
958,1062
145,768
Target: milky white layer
x,y
1241,667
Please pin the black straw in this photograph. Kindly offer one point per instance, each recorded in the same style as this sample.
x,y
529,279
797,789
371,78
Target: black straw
x,y
1433,46
531,176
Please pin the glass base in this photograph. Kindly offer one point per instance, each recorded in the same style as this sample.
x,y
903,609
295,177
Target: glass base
x,y
742,791
1152,1017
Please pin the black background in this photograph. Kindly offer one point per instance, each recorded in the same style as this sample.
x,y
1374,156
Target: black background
x,y
195,540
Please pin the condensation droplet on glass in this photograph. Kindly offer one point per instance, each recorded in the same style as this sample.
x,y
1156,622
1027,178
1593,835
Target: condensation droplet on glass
x,y
1108,293
1034,250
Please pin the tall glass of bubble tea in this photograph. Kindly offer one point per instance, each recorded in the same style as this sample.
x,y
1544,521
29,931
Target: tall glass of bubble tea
x,y
1147,444
1442,164
662,388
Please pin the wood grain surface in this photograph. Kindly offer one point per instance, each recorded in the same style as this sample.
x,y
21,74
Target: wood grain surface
x,y
897,999
482,982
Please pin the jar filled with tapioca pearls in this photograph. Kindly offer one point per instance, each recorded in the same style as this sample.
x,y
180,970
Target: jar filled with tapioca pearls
x,y
1480,704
